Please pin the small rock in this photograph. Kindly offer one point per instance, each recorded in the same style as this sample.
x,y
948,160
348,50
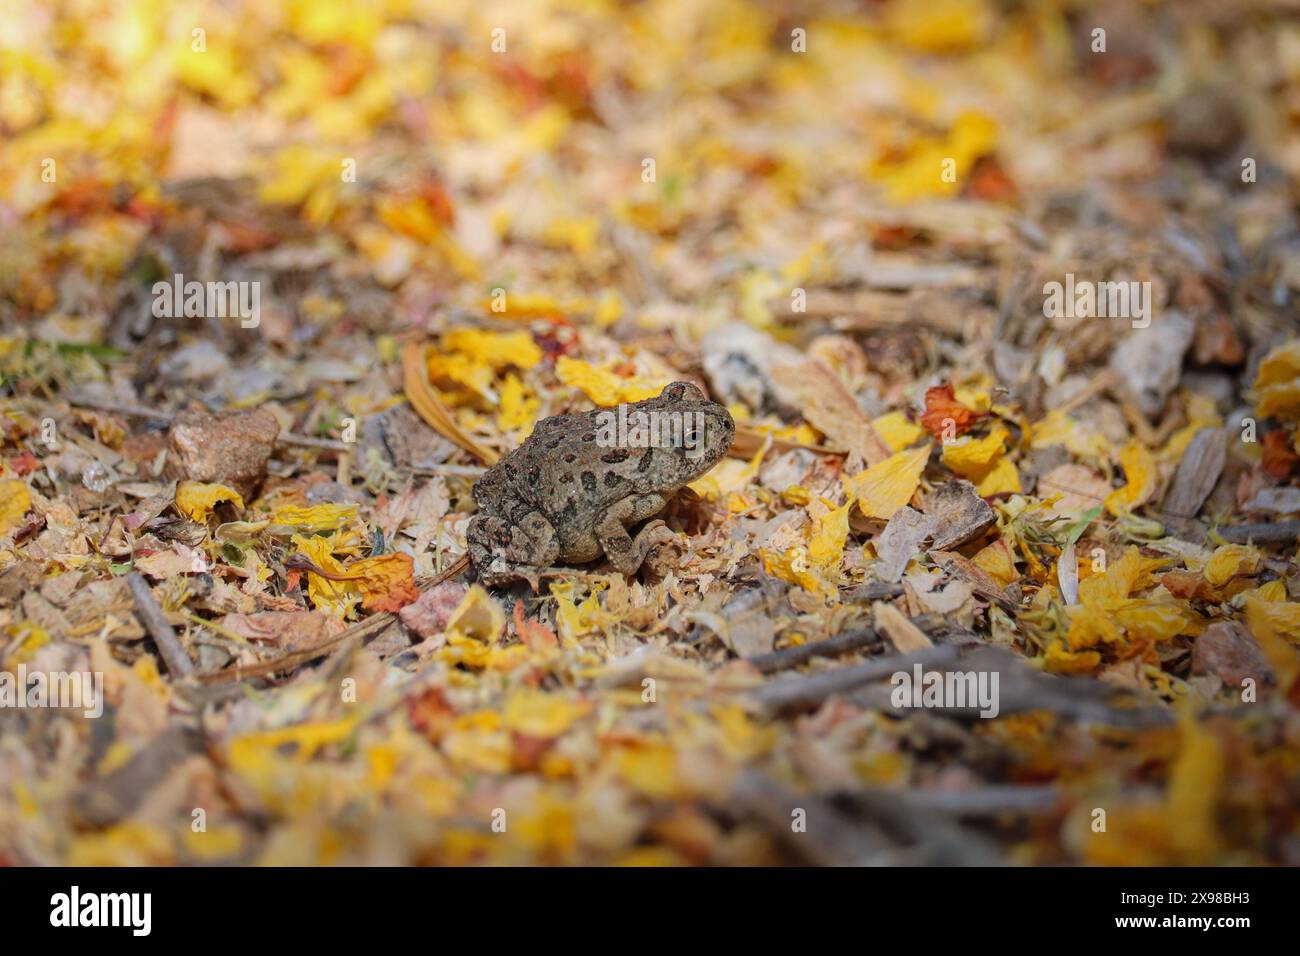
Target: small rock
x,y
97,477
1229,652
389,642
231,449
428,616
290,630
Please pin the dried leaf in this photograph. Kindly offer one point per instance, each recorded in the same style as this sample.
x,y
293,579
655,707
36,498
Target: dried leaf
x,y
828,406
944,417
415,383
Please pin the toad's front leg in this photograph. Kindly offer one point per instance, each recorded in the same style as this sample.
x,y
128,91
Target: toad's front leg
x,y
623,552
503,551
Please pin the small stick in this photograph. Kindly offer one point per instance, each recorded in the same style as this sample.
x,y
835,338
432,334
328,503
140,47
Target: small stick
x,y
849,641
305,441
803,692
1271,532
941,841
459,471
832,837
370,626
155,622
1094,388
983,801
788,657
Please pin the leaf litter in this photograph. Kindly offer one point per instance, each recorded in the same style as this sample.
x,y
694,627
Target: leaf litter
x,y
1006,322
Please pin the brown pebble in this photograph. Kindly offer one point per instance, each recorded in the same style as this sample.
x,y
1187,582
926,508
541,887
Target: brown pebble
x,y
428,616
231,448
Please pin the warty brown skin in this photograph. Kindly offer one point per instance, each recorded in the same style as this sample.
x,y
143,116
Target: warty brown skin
x,y
573,488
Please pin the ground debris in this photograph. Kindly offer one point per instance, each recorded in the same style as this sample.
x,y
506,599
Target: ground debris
x,y
1007,532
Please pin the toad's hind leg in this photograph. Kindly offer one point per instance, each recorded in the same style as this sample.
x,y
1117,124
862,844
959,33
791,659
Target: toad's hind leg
x,y
507,551
623,552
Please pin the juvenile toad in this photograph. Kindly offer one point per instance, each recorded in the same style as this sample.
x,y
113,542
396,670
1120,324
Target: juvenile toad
x,y
573,488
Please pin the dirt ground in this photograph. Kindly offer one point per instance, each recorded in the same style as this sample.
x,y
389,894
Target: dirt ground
x,y
999,567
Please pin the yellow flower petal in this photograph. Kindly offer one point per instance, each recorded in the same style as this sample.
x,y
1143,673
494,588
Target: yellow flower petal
x,y
575,619
495,349
1229,561
973,457
518,410
1193,793
604,387
195,499
896,431
1058,428
336,597
792,567
939,26
1277,385
998,561
1276,626
730,475
1280,365
1061,660
884,488
826,546
1279,401
478,617
1140,472
1002,478
542,715
323,517
15,501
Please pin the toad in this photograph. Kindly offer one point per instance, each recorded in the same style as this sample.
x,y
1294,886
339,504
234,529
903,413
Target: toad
x,y
572,490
